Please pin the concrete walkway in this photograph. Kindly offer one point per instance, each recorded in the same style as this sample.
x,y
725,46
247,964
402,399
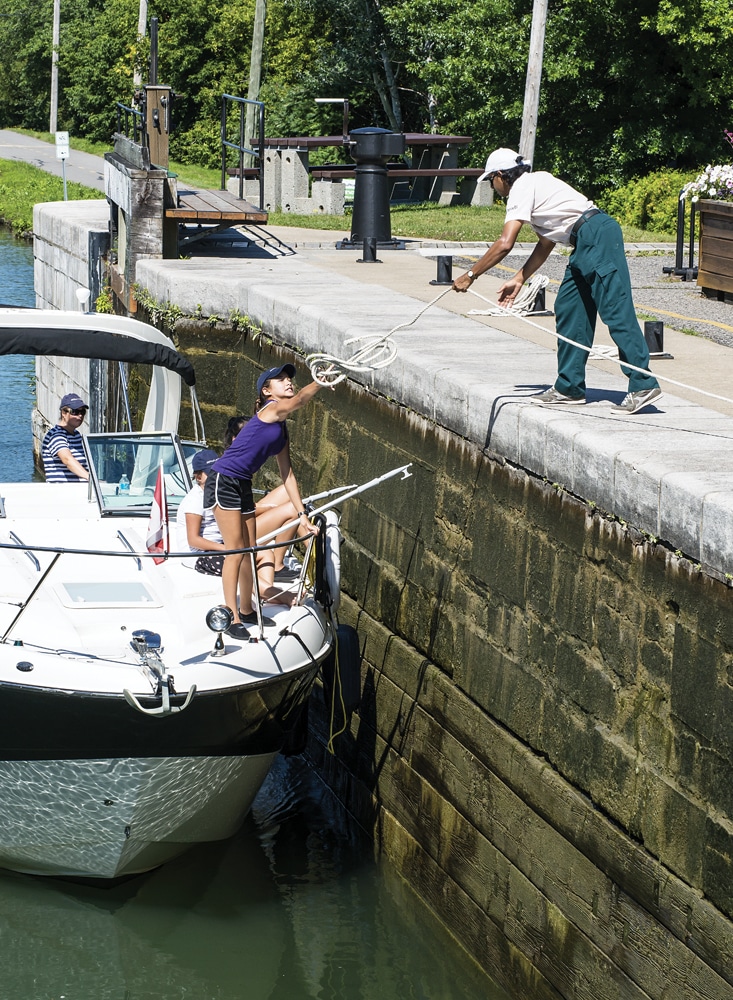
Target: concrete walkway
x,y
668,471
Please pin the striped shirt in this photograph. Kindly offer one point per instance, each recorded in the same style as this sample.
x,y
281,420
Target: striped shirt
x,y
54,441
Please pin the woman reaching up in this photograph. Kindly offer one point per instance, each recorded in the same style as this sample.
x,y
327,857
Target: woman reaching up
x,y
229,486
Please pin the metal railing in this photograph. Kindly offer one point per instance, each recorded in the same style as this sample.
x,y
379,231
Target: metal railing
x,y
688,272
241,147
127,115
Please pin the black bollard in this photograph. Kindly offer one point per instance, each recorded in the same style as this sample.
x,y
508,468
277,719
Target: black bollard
x,y
369,252
371,148
654,337
445,271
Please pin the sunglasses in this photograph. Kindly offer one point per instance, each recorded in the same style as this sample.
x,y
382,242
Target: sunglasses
x,y
77,413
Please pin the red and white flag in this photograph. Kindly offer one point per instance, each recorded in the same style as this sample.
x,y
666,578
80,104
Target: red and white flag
x,y
157,539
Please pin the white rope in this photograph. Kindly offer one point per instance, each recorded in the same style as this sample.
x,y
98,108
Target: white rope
x,y
590,350
380,351
523,303
375,352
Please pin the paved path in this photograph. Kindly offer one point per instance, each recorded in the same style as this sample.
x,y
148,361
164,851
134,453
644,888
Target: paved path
x,y
84,168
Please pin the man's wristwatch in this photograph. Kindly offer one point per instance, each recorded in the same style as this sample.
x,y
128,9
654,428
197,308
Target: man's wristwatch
x,y
471,275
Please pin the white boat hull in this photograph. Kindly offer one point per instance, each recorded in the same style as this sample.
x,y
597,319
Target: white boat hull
x,y
112,818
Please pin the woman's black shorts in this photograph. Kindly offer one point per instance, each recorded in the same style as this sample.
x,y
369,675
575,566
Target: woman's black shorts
x,y
229,493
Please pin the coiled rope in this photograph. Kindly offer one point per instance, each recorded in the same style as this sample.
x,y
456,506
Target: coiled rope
x,y
379,351
375,352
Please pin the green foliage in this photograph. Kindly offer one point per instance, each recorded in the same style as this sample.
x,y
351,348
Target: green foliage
x,y
648,202
628,87
23,186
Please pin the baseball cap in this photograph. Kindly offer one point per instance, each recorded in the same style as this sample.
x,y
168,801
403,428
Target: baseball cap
x,y
72,401
203,460
288,370
503,159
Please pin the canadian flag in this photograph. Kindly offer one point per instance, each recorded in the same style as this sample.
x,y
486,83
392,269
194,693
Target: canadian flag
x,y
157,539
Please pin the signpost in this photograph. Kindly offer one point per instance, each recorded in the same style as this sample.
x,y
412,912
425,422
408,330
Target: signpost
x,y
62,153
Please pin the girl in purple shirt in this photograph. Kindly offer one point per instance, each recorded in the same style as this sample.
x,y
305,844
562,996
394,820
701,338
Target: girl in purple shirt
x,y
229,486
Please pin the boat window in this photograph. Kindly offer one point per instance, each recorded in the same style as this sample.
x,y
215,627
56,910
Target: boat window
x,y
124,470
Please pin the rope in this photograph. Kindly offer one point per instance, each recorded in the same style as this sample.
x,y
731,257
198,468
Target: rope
x,y
523,303
501,310
376,352
380,351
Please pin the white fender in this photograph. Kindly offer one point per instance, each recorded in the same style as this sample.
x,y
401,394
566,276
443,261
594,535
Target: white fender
x,y
333,557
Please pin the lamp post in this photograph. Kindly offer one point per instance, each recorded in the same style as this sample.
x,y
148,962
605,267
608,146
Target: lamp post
x,y
338,100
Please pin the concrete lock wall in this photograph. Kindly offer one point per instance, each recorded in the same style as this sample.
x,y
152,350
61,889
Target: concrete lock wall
x,y
543,746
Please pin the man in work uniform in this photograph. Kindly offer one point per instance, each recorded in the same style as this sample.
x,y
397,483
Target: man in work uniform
x,y
596,280
62,451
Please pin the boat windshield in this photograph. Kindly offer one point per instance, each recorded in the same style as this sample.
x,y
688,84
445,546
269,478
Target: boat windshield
x,y
124,470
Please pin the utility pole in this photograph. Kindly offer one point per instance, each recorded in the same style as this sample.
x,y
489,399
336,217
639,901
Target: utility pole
x,y
53,119
255,70
534,79
142,20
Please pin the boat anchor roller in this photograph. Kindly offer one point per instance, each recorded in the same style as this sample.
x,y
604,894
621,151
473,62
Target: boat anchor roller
x,y
147,645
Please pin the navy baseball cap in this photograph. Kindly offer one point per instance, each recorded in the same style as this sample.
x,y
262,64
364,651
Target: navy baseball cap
x,y
73,402
288,370
203,460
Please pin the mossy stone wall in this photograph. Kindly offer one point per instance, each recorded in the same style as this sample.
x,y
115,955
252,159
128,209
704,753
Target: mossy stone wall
x,y
544,742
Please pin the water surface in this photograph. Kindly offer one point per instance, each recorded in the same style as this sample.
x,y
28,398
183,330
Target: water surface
x,y
292,908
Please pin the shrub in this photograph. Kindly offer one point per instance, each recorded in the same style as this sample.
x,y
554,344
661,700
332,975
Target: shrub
x,y
648,202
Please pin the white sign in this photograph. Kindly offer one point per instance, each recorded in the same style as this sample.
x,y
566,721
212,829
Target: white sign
x,y
62,145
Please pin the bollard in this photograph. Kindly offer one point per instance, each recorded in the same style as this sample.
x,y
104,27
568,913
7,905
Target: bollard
x,y
445,271
371,148
369,252
654,337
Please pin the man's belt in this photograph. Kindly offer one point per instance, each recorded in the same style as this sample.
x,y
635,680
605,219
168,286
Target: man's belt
x,y
581,221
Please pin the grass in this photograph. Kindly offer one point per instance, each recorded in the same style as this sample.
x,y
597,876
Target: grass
x,y
22,186
459,223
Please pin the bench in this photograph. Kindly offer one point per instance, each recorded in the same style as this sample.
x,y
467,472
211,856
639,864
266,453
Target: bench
x,y
397,174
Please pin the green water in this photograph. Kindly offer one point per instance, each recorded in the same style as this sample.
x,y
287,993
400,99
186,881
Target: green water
x,y
293,908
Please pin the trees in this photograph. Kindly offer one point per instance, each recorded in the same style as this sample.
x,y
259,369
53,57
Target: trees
x,y
628,85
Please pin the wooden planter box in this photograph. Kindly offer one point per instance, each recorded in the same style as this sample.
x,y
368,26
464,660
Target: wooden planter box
x,y
715,270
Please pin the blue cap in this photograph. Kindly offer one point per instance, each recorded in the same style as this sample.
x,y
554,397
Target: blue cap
x,y
73,401
203,460
288,370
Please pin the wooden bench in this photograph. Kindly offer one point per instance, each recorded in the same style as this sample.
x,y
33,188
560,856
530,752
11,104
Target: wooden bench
x,y
213,207
398,174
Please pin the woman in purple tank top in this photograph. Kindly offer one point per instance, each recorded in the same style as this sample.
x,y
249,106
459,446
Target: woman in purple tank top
x,y
229,485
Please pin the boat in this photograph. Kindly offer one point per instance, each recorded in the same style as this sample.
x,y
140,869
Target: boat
x,y
131,725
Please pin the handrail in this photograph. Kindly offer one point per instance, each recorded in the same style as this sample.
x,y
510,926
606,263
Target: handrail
x,y
689,272
139,132
241,147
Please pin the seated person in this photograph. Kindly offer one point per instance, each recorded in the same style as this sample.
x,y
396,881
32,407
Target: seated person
x,y
196,528
62,450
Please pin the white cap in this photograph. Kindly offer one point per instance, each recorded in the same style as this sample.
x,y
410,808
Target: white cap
x,y
503,159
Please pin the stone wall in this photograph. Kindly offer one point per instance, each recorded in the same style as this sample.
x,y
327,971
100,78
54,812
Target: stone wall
x,y
543,746
70,240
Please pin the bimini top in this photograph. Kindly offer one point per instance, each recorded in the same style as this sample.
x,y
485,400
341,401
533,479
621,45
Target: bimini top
x,y
89,335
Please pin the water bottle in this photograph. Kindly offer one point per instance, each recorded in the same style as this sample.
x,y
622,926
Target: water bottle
x,y
124,486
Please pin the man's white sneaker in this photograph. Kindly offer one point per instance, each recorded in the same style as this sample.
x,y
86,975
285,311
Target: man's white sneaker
x,y
557,398
635,401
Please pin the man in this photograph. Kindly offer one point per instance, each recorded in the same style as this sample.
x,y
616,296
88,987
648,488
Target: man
x,y
596,280
62,450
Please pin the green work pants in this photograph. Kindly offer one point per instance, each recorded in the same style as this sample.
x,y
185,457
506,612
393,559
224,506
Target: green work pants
x,y
596,282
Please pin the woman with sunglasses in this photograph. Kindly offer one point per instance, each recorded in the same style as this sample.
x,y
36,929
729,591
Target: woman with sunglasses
x,y
62,450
